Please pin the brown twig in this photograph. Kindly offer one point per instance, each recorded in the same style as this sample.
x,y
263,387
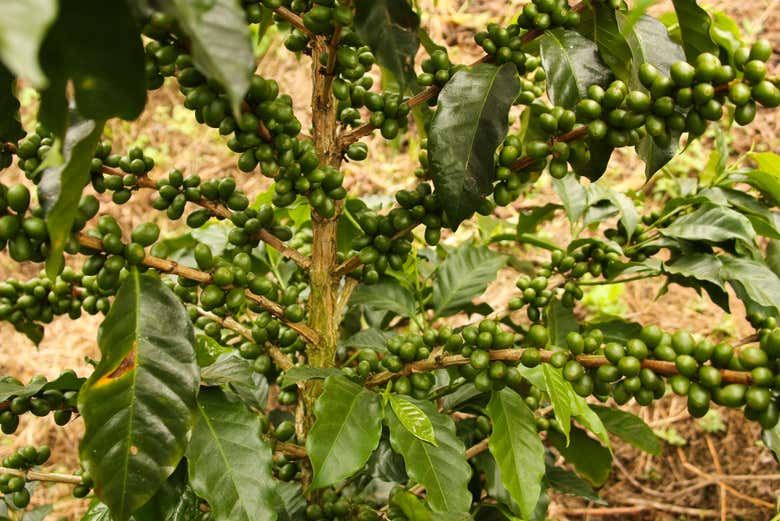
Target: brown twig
x,y
294,19
514,355
222,212
290,449
32,475
174,268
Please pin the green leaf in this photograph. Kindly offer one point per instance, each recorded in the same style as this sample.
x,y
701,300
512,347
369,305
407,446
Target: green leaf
x,y
649,42
290,501
413,418
725,32
694,25
516,446
412,507
463,276
237,373
599,23
567,482
175,501
390,28
229,466
560,322
591,459
97,46
572,64
712,224
208,350
301,374
752,281
221,42
138,404
10,126
23,27
37,513
630,428
386,295
98,511
443,469
61,185
469,124
346,432
773,256
771,438
370,338
573,196
529,219
700,266
560,396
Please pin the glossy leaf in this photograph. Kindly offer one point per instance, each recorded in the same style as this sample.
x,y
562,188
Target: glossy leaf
x,y
753,281
649,42
567,482
10,126
302,374
346,432
599,24
98,511
560,322
725,32
97,46
370,338
573,196
61,185
413,418
229,466
700,266
23,27
529,219
463,276
560,396
469,124
442,470
290,502
592,460
572,64
629,427
517,448
175,501
695,26
386,295
138,404
390,28
221,42
771,438
236,372
713,224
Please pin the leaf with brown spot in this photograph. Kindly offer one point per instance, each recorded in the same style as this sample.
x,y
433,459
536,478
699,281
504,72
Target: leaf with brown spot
x,y
139,404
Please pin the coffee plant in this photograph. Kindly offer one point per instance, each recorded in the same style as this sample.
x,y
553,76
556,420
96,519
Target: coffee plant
x,y
295,356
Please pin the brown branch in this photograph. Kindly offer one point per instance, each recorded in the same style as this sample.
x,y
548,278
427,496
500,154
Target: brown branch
x,y
33,475
294,19
222,212
438,361
479,448
279,358
174,268
572,135
290,449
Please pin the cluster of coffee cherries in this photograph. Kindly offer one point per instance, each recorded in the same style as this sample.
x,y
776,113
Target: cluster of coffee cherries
x,y
505,44
46,399
387,241
265,133
32,150
24,234
335,506
23,458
